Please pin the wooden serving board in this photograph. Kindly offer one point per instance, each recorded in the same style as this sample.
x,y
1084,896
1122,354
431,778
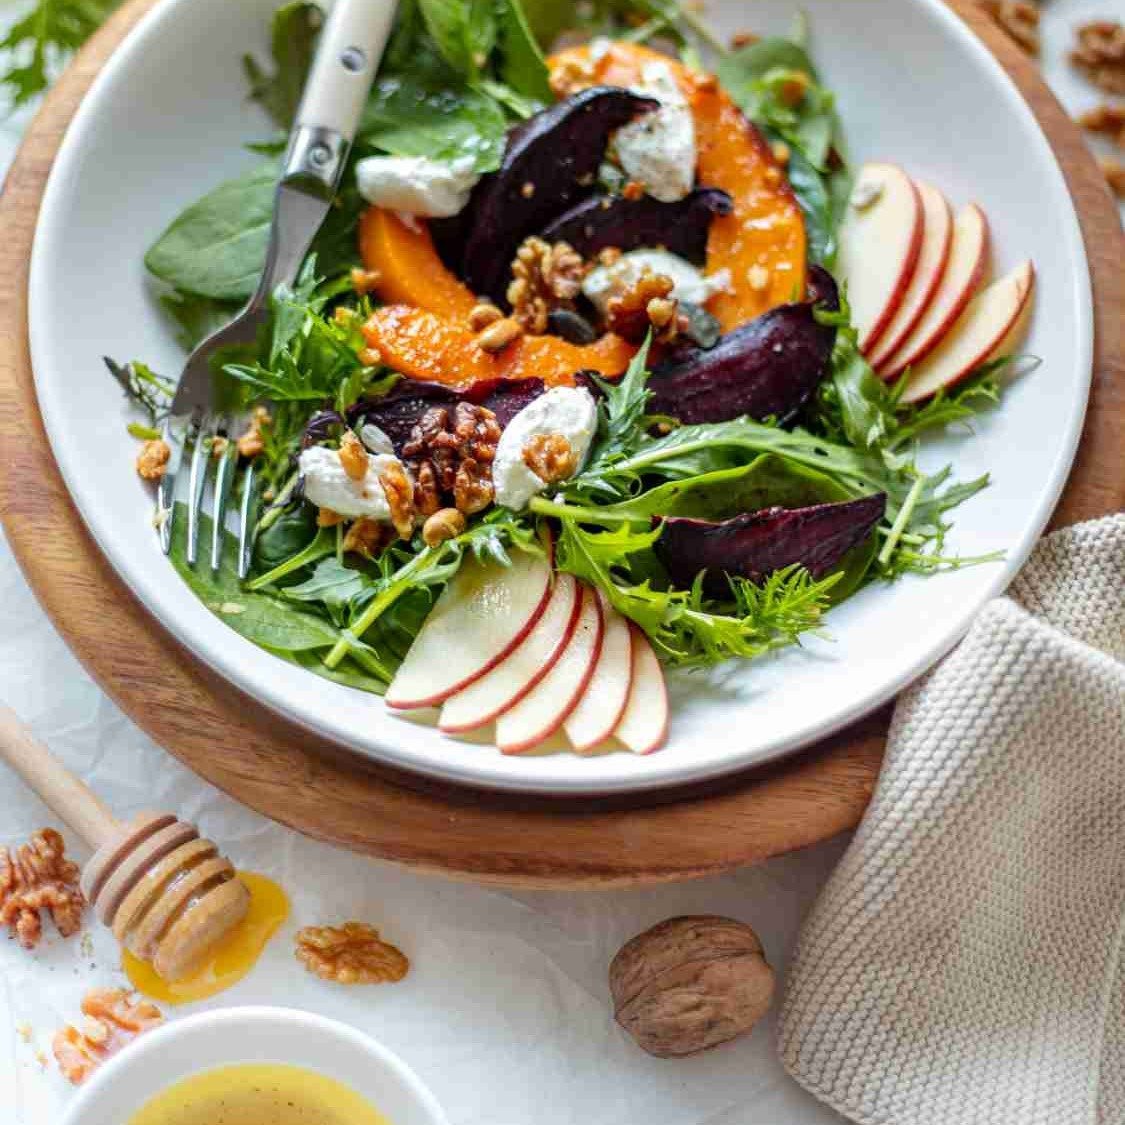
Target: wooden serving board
x,y
312,785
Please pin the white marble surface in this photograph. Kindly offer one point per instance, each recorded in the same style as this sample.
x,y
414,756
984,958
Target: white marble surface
x,y
505,1012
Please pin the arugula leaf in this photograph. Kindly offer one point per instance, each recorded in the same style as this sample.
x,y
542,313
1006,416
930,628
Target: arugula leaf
x,y
217,246
37,46
406,117
296,26
332,585
522,66
143,387
855,404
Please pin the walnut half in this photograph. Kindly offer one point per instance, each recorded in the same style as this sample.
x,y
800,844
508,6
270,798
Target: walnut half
x,y
350,954
690,984
38,877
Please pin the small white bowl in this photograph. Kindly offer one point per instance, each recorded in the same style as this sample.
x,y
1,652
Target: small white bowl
x,y
253,1035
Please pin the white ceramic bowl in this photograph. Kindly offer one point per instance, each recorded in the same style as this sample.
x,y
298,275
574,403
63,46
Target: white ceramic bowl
x,y
166,120
252,1035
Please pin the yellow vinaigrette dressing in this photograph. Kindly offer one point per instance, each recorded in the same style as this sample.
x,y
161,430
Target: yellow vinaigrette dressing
x,y
258,1094
229,962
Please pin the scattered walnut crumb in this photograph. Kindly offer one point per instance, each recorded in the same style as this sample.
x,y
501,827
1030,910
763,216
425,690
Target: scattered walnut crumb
x,y
353,456
550,457
365,281
1109,120
350,954
742,39
152,460
1114,171
39,877
527,189
498,335
1018,20
252,443
1100,54
325,517
545,276
399,491
114,1017
442,526
367,537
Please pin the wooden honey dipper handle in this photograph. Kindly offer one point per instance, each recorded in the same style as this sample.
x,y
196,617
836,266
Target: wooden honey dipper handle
x,y
68,797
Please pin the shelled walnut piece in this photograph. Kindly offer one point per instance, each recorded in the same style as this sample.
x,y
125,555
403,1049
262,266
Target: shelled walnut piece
x,y
646,303
39,877
1107,120
1100,54
1018,19
450,456
350,954
114,1017
152,459
689,984
545,277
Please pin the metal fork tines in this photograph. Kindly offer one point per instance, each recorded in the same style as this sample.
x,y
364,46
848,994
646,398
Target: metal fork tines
x,y
197,437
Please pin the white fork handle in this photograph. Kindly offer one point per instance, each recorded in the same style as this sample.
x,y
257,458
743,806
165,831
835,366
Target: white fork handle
x,y
347,58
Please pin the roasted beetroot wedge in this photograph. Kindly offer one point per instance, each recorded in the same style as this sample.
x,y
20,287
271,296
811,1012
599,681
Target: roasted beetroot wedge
x,y
756,544
632,224
550,163
767,368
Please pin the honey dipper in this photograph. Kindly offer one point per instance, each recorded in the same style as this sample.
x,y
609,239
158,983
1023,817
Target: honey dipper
x,y
167,894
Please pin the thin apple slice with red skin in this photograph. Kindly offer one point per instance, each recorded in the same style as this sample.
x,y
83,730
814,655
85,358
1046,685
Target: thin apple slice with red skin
x,y
937,241
483,613
544,709
879,242
984,326
509,681
643,725
603,703
964,272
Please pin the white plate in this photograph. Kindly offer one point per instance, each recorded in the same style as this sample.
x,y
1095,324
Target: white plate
x,y
165,121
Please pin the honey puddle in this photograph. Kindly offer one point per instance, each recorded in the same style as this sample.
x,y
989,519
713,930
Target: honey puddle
x,y
231,960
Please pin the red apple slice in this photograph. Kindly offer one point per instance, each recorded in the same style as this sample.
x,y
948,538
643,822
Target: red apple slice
x,y
880,239
544,709
985,324
510,680
482,614
937,240
643,726
602,704
968,260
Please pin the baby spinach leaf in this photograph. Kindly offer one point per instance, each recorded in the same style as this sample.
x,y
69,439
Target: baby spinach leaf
x,y
464,31
296,26
522,66
261,618
285,537
407,118
216,247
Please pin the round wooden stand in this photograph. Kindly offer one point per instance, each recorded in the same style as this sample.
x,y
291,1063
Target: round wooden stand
x,y
313,786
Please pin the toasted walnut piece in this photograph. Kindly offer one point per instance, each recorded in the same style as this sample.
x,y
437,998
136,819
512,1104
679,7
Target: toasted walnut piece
x,y
1019,20
350,954
427,494
39,877
1109,120
550,457
399,492
496,337
477,432
441,445
1100,54
689,984
367,537
364,281
114,1017
545,276
353,456
571,76
325,517
152,460
482,315
251,443
627,306
442,526
472,488
1114,172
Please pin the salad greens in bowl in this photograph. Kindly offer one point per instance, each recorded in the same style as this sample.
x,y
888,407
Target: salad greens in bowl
x,y
617,407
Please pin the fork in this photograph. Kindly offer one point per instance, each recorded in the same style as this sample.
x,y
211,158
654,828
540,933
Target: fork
x,y
339,81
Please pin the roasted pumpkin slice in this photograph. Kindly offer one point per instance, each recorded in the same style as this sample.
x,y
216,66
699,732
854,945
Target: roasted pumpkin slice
x,y
762,241
436,349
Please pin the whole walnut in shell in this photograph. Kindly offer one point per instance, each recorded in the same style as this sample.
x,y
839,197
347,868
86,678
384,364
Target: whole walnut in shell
x,y
690,984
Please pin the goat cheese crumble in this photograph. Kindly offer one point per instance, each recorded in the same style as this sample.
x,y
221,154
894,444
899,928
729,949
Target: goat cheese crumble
x,y
658,149
568,411
416,185
327,485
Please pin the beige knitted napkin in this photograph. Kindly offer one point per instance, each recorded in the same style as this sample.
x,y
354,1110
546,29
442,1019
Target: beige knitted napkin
x,y
963,963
